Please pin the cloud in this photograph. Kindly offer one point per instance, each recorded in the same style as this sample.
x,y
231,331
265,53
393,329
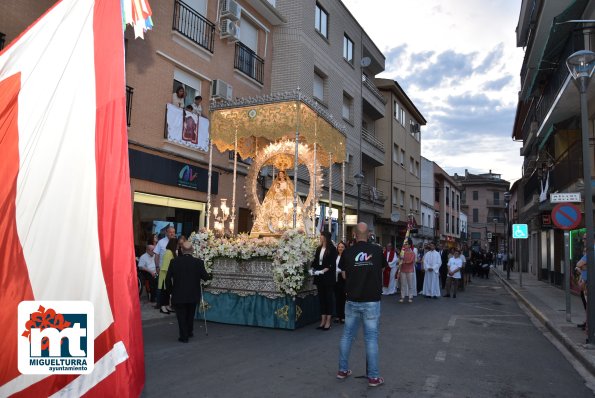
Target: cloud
x,y
493,58
498,84
429,72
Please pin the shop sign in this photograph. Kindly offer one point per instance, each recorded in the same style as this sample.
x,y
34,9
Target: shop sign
x,y
350,219
149,167
563,197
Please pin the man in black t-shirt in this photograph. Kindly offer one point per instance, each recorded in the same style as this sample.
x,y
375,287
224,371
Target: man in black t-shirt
x,y
363,286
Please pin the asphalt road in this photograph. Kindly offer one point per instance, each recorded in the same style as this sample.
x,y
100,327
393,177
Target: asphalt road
x,y
481,344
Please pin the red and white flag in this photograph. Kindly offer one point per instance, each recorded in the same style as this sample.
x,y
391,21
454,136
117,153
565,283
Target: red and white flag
x,y
65,211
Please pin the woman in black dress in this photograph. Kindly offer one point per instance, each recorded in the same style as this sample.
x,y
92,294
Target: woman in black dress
x,y
340,285
324,265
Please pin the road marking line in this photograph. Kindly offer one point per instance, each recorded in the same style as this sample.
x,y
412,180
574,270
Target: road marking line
x,y
440,356
431,384
452,321
446,338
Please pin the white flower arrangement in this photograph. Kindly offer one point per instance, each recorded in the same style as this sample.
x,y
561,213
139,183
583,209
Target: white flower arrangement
x,y
289,254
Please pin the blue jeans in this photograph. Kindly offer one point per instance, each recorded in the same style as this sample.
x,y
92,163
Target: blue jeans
x,y
355,313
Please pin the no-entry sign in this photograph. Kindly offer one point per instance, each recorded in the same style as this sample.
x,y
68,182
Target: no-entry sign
x,y
566,216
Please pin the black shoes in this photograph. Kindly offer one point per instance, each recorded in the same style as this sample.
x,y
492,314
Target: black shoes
x,y
181,340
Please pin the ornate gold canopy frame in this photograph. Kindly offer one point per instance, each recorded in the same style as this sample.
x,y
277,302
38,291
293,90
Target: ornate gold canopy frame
x,y
261,127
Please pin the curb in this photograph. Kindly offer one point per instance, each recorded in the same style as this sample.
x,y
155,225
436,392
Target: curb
x,y
569,344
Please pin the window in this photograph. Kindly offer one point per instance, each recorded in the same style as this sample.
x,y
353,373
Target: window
x,y
318,89
402,157
321,21
347,49
198,5
452,228
475,195
402,199
395,153
447,196
458,208
417,204
496,198
458,226
395,109
447,223
402,116
411,162
430,220
190,83
475,215
346,110
249,34
395,196
411,208
416,168
436,192
453,198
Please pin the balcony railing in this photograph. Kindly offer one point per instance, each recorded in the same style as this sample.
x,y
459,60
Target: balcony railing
x,y
372,194
369,83
568,168
194,26
129,92
248,62
372,140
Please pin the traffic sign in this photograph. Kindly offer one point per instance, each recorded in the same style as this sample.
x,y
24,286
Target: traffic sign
x,y
520,231
489,235
566,216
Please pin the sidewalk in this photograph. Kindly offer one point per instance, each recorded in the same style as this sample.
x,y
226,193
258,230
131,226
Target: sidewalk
x,y
548,305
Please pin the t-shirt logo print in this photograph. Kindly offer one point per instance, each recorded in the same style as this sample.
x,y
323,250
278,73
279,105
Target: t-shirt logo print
x,y
361,256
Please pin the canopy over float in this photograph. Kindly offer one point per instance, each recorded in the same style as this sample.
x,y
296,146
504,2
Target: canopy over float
x,y
283,131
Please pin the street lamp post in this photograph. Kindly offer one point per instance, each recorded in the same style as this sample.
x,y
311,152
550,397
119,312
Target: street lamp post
x,y
495,220
507,196
581,65
359,180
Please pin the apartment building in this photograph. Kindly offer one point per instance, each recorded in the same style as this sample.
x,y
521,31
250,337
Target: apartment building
x,y
447,205
400,175
428,213
215,49
482,196
548,123
323,51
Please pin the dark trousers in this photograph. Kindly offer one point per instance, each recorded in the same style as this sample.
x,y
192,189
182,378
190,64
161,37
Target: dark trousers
x,y
152,281
443,273
185,313
325,297
419,275
340,299
164,297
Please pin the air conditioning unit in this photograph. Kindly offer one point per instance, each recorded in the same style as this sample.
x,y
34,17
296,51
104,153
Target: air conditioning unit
x,y
221,90
414,127
231,10
229,30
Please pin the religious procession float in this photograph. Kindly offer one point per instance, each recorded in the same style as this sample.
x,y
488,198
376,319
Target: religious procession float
x,y
260,278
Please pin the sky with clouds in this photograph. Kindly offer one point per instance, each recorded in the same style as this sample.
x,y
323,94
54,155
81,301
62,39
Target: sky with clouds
x,y
458,61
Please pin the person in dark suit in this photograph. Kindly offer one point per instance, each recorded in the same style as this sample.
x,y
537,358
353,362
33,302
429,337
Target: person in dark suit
x,y
444,267
323,269
183,281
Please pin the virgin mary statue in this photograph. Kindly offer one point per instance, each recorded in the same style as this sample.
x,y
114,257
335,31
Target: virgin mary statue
x,y
276,211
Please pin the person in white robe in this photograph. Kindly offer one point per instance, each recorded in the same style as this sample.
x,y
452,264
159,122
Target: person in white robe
x,y
392,258
432,263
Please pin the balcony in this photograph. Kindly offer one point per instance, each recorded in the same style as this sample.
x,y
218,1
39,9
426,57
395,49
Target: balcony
x,y
551,94
372,199
372,148
190,24
373,101
129,93
247,62
426,232
495,203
